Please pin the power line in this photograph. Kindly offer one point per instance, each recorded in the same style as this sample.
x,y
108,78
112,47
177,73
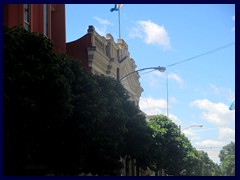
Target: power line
x,y
194,57
203,54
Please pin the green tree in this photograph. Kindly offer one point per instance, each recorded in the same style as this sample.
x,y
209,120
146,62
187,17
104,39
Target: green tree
x,y
103,126
124,129
173,152
57,116
170,147
37,103
60,119
138,138
227,158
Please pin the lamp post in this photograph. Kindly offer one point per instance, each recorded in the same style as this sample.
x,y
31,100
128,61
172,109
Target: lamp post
x,y
167,94
161,69
190,127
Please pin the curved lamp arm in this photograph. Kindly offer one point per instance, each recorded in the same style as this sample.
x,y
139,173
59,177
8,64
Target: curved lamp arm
x,y
161,69
192,126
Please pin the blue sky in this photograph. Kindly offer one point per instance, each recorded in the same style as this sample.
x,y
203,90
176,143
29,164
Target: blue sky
x,y
200,90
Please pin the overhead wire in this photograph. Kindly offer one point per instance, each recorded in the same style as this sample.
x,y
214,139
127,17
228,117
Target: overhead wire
x,y
189,59
203,54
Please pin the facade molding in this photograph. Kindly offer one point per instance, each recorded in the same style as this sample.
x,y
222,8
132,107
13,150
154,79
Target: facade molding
x,y
105,57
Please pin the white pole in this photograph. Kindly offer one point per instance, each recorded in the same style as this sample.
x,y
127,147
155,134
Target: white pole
x,y
167,94
119,23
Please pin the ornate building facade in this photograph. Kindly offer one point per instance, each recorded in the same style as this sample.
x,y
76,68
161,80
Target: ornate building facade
x,y
102,56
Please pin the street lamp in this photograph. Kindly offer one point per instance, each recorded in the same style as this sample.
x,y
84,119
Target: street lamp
x,y
190,127
161,69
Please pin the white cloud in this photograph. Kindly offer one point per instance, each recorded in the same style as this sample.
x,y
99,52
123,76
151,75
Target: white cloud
x,y
153,106
151,33
177,78
205,129
193,133
227,134
214,155
136,33
174,119
193,130
212,148
155,79
210,143
222,92
219,115
188,132
102,30
102,21
216,90
215,113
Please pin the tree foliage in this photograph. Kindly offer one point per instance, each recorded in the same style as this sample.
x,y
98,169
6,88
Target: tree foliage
x,y
37,100
62,120
227,158
173,152
171,148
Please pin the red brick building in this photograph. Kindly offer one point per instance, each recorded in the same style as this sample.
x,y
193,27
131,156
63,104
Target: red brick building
x,y
48,19
78,50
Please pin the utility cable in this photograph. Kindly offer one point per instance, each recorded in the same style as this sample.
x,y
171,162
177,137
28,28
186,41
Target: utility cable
x,y
203,54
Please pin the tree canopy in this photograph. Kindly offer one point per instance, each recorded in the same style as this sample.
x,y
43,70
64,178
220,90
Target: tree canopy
x,y
171,149
227,158
60,119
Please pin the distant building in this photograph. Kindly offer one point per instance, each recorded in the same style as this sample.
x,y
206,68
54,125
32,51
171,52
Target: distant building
x,y
48,19
101,55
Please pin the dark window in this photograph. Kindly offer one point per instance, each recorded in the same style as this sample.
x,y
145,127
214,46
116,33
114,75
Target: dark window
x,y
27,17
45,6
118,74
